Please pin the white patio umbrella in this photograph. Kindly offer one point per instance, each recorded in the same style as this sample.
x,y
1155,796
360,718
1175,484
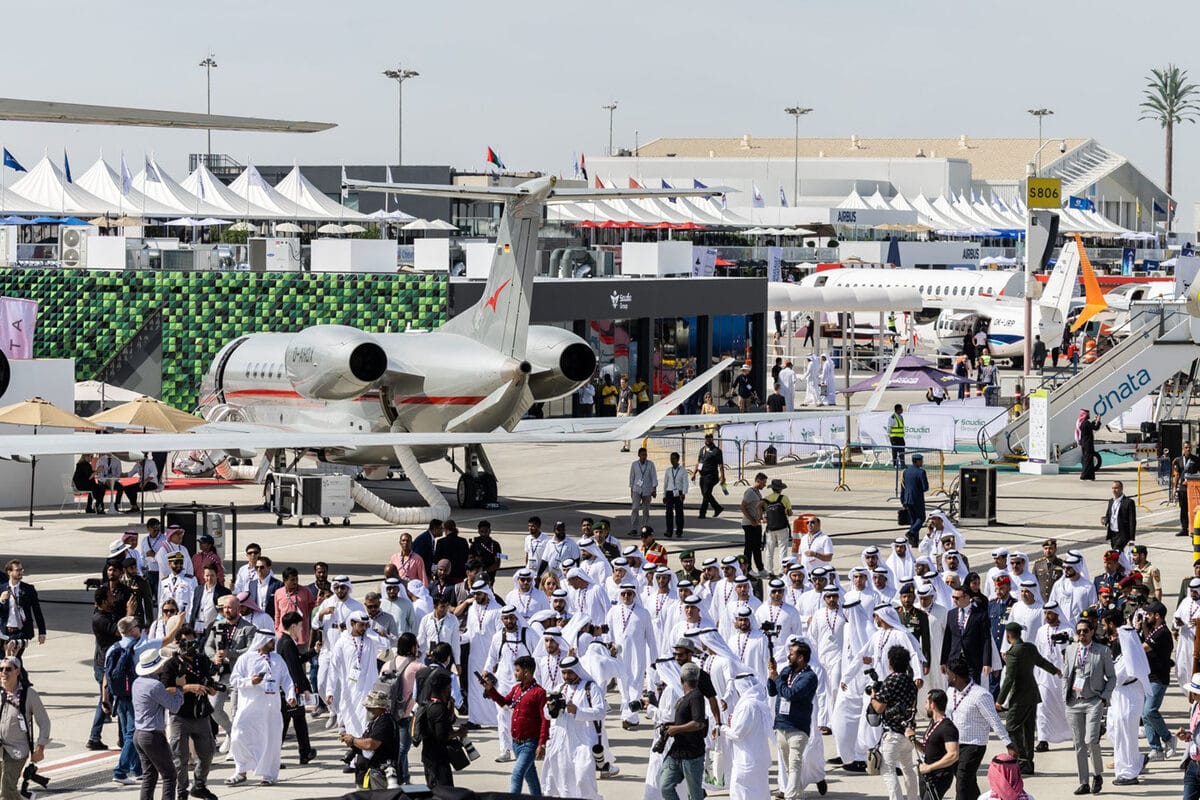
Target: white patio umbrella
x,y
288,227
182,222
243,226
442,225
418,225
353,228
212,221
330,227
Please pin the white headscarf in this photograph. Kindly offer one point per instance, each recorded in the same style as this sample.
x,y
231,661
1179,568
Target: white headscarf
x,y
1133,662
261,639
422,602
1082,566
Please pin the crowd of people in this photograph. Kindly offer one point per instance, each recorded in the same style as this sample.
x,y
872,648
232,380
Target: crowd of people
x,y
904,665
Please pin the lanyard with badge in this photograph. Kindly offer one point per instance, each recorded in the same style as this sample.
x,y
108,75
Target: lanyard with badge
x,y
640,483
785,704
269,684
1080,661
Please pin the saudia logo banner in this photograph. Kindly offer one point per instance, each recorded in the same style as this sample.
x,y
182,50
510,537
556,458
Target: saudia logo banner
x,y
1106,401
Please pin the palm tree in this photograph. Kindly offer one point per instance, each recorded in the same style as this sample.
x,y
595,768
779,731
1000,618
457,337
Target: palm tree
x,y
1170,99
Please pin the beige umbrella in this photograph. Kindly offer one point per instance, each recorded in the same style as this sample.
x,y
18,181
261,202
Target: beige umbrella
x,y
102,222
128,222
40,414
148,414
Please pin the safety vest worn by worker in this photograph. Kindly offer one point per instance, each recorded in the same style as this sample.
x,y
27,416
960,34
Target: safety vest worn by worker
x,y
896,429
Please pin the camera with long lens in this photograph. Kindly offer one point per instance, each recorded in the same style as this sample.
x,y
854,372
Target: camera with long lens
x,y
30,775
555,704
596,630
875,682
660,739
1062,637
598,758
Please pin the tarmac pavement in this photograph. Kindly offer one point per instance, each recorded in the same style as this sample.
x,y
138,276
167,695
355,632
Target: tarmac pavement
x,y
557,482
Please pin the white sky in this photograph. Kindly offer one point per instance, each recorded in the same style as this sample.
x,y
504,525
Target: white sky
x,y
528,78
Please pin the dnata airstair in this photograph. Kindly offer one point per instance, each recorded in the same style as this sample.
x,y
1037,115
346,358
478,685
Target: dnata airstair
x,y
1161,343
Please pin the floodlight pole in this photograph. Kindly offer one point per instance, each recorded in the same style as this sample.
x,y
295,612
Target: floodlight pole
x,y
208,64
1041,114
610,108
797,112
400,75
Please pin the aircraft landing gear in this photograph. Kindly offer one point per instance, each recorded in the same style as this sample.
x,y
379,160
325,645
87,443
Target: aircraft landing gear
x,y
477,485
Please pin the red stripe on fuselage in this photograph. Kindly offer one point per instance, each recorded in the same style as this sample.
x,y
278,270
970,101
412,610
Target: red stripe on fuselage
x,y
421,400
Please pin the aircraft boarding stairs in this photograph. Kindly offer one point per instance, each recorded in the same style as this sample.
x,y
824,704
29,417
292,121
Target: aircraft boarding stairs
x,y
1161,344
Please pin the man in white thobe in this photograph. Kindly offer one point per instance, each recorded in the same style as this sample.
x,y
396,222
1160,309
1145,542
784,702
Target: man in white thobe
x,y
260,677
512,641
631,627
1051,724
787,385
750,735
353,670
1125,707
483,618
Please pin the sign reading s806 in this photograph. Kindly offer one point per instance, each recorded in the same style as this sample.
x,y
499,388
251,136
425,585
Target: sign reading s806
x,y
1044,193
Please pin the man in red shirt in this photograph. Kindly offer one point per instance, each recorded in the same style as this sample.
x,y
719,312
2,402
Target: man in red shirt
x,y
294,597
530,727
653,552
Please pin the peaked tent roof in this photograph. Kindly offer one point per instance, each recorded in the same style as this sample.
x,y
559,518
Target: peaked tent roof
x,y
12,202
168,191
301,191
101,180
46,185
251,185
202,183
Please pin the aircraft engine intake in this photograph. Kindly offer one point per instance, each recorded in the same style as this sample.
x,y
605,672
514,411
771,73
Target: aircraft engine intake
x,y
561,361
334,362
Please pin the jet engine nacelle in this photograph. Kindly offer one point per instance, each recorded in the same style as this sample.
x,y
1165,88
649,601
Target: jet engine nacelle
x,y
333,362
561,361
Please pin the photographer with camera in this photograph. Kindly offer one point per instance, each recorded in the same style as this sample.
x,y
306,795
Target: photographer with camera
x,y
895,701
939,748
794,689
20,708
375,766
685,757
530,727
224,642
190,728
574,707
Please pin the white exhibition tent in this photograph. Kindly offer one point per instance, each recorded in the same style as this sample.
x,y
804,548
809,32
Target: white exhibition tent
x,y
203,184
254,189
102,181
154,182
46,186
300,190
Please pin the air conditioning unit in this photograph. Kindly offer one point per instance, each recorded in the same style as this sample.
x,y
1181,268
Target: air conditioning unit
x,y
73,239
8,244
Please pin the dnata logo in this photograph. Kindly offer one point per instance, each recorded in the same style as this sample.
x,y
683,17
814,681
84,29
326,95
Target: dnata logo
x,y
1110,400
847,216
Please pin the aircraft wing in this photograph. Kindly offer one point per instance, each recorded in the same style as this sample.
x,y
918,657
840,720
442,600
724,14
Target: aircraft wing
x,y
78,113
598,424
242,437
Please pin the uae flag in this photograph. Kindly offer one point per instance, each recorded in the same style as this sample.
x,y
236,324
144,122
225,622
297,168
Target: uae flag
x,y
494,159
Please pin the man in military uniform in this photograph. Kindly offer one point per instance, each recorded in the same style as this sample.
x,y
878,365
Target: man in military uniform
x,y
916,620
1019,695
1049,568
687,560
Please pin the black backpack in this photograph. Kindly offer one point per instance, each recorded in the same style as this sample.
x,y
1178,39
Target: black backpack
x,y
121,673
776,514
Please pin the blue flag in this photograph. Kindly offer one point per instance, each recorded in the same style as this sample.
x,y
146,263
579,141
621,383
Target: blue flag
x,y
9,161
697,184
1081,203
67,166
666,185
1159,209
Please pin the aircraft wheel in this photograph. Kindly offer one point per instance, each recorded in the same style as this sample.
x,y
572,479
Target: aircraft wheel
x,y
489,491
325,520
1099,462
279,521
466,491
346,522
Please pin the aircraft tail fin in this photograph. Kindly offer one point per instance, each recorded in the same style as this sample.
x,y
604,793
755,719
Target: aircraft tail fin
x,y
1056,297
501,317
1094,301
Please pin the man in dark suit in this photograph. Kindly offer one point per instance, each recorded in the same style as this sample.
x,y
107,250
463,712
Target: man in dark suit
x,y
914,483
263,585
20,609
424,543
293,623
1019,692
1120,519
1088,684
968,636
